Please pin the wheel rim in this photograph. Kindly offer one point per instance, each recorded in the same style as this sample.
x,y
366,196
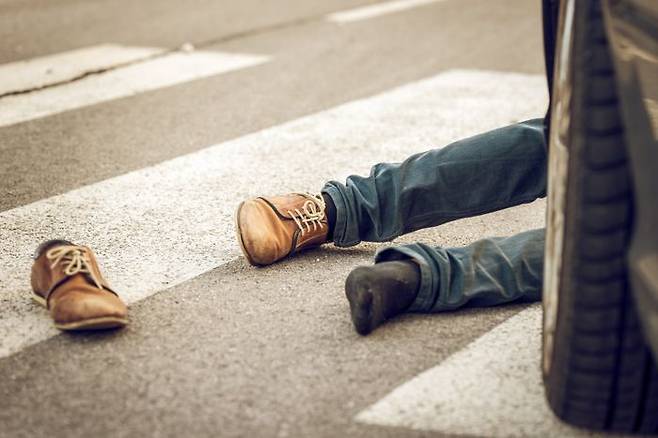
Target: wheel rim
x,y
558,164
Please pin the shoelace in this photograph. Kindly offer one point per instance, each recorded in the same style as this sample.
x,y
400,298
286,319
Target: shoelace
x,y
74,260
311,213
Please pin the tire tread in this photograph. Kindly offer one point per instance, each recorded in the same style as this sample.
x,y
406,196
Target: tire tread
x,y
608,379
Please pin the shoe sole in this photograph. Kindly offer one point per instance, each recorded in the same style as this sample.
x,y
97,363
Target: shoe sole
x,y
238,231
100,323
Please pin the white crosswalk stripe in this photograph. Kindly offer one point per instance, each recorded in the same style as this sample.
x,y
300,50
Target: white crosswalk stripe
x,y
490,388
61,67
165,224
165,71
376,10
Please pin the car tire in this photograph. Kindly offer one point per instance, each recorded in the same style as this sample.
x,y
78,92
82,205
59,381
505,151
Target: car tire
x,y
598,371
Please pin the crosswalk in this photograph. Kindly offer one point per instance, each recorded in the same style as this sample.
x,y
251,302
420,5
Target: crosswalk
x,y
128,79
376,10
166,224
496,376
34,74
176,207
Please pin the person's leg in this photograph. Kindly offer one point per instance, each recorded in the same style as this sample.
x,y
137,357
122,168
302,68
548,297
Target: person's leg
x,y
488,172
420,278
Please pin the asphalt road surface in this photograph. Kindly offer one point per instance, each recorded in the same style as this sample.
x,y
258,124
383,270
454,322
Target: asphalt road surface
x,y
137,128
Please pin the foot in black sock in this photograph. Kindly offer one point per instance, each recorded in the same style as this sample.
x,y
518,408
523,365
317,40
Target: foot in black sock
x,y
379,292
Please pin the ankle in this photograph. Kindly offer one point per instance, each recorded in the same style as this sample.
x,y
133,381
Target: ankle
x,y
401,278
330,213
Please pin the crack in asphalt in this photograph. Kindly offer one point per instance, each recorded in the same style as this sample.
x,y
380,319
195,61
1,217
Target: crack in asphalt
x,y
86,74
165,52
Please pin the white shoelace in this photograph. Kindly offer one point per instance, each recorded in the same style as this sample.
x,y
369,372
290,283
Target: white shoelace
x,y
311,214
74,260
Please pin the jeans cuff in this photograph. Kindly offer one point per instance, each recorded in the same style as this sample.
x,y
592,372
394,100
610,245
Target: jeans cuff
x,y
343,233
426,296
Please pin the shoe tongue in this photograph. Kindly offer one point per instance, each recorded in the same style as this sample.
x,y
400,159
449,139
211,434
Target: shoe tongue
x,y
287,205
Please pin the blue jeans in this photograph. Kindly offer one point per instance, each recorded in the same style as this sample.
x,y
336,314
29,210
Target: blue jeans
x,y
481,174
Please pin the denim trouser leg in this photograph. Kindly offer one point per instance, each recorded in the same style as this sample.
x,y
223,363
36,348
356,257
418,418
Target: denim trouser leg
x,y
488,172
485,273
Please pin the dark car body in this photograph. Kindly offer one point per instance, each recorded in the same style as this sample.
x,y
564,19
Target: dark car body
x,y
632,30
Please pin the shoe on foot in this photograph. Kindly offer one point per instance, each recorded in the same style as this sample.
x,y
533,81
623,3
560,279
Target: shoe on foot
x,y
272,228
379,292
67,281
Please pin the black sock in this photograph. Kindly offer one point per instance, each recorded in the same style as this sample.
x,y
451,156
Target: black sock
x,y
330,211
377,293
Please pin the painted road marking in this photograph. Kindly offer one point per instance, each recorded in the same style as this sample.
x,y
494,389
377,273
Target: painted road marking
x,y
162,225
126,81
376,10
492,388
53,69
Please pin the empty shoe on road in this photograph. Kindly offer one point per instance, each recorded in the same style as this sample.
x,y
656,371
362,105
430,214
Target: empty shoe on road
x,y
66,279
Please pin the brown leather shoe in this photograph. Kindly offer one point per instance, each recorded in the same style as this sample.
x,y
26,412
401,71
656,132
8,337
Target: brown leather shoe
x,y
67,281
272,228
